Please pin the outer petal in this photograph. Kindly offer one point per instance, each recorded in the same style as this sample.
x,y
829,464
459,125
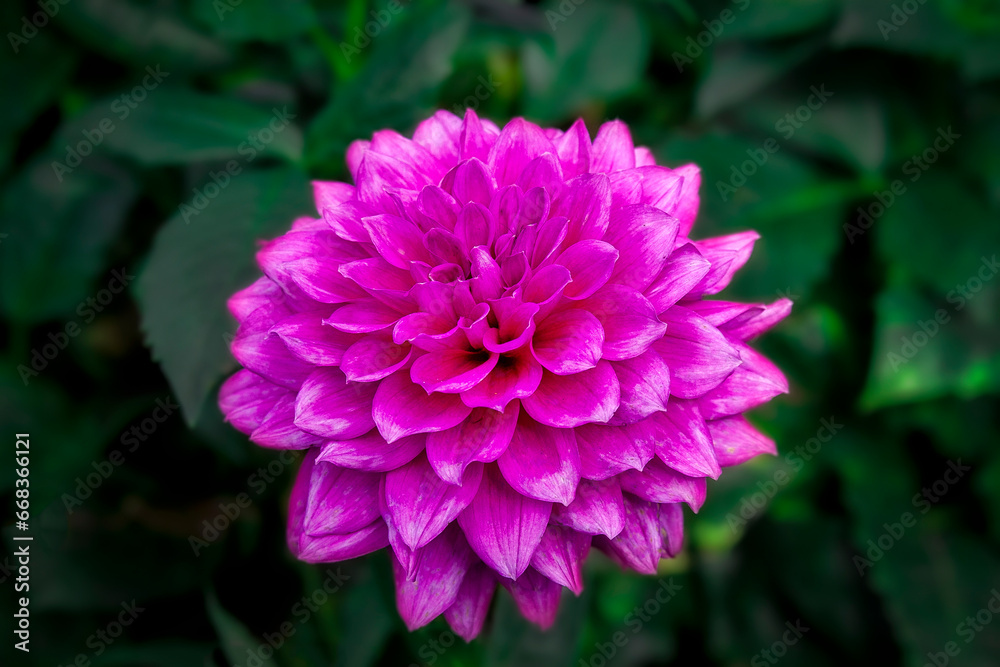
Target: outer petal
x,y
536,596
371,452
541,462
683,441
560,555
502,526
736,441
629,321
519,143
644,237
606,451
330,406
698,355
483,436
402,408
467,614
684,269
421,505
645,387
565,401
727,254
586,202
659,484
756,381
613,148
642,542
340,500
597,509
305,336
245,398
440,568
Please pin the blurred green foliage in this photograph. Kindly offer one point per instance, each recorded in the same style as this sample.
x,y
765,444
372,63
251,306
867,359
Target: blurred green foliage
x,y
860,138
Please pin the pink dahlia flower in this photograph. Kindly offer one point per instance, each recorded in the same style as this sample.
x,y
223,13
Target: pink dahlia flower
x,y
496,352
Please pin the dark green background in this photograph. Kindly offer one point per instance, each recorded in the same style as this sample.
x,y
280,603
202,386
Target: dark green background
x,y
858,298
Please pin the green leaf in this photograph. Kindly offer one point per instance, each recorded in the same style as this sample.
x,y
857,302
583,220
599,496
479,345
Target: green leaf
x,y
771,19
57,230
600,54
177,126
237,642
134,33
194,268
397,86
256,19
515,641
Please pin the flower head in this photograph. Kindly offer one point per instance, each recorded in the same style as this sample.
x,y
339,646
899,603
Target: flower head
x,y
496,351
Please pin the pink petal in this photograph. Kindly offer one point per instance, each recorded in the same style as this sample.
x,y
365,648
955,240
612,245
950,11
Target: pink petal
x,y
755,382
452,371
483,436
477,137
644,237
536,596
278,431
606,451
502,526
371,452
613,148
340,500
397,240
516,328
345,220
685,208
330,194
560,555
330,406
698,355
684,269
374,357
420,505
727,254
574,149
516,375
246,398
401,407
374,273
641,541
645,387
260,292
597,508
378,173
440,568
590,264
586,202
467,614
568,341
541,462
629,321
757,322
659,484
542,172
266,355
683,441
363,317
566,401
736,441
305,336
519,143
644,157
438,207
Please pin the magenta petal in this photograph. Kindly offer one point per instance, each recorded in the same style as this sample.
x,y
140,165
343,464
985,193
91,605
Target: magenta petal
x,y
542,172
378,173
613,148
684,269
644,237
519,143
629,321
371,452
566,401
320,279
573,148
536,596
266,355
262,291
502,526
606,451
659,484
758,321
345,220
452,371
756,381
374,357
586,202
541,462
590,264
516,375
640,543
278,431
683,441
483,436
374,273
698,354
686,207
401,407
305,336
340,500
516,329
438,207
397,240
546,285
363,317
330,194
246,398
671,522
645,387
467,614
597,509
727,254
439,569
736,441
560,555
568,341
421,505
330,406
